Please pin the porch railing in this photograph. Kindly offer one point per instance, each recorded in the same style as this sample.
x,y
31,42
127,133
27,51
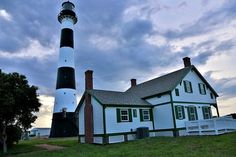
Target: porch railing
x,y
214,126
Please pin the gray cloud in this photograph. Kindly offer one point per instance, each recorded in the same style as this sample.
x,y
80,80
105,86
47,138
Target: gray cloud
x,y
132,58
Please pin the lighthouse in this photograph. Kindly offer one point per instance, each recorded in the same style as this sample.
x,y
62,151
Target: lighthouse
x,y
63,121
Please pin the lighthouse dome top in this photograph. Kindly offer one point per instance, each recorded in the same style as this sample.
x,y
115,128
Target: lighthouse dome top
x,y
68,6
67,11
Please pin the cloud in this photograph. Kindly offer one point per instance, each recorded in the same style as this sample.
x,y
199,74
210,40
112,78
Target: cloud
x,y
45,113
182,4
5,15
128,39
34,50
103,43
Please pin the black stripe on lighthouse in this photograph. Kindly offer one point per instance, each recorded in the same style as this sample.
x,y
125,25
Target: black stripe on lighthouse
x,y
65,78
67,38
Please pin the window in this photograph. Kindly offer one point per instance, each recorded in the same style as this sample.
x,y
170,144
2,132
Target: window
x,y
124,115
188,87
145,114
179,112
135,112
202,88
176,91
211,96
192,113
206,111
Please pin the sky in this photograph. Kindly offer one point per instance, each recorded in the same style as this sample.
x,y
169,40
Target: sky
x,y
120,40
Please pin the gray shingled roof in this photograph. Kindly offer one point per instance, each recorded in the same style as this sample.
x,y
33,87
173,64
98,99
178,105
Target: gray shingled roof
x,y
159,85
135,95
117,98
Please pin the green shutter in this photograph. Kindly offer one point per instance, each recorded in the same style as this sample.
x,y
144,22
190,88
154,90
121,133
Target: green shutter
x,y
176,112
182,108
118,115
195,110
188,109
141,114
199,86
176,91
130,115
203,112
151,114
185,86
204,87
210,112
191,89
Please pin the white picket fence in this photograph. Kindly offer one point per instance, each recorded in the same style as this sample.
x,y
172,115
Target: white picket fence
x,y
214,126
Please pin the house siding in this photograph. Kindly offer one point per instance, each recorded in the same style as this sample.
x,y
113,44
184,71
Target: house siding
x,y
181,123
195,96
112,126
97,117
163,118
159,99
81,120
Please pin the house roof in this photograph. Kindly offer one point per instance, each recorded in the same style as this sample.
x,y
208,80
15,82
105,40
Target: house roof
x,y
135,95
117,98
160,84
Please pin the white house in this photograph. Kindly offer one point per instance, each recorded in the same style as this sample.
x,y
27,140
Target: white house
x,y
39,132
162,105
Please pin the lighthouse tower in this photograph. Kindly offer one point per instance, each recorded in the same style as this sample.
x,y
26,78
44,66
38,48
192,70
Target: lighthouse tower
x,y
63,121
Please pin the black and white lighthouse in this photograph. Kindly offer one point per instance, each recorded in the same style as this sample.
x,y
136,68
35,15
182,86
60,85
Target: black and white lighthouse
x,y
63,121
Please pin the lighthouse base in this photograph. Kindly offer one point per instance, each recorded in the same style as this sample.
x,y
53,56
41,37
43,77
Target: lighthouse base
x,y
63,125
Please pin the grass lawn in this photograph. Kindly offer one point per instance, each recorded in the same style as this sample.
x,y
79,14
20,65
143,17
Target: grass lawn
x,y
196,146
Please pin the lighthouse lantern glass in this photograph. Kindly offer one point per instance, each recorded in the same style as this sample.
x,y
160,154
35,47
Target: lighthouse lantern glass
x,y
68,6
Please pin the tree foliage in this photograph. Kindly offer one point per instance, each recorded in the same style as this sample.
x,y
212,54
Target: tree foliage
x,y
18,103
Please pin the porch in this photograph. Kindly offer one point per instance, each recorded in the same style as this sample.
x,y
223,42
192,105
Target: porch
x,y
214,126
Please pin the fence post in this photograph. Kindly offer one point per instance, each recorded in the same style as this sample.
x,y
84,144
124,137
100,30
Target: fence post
x,y
215,127
199,127
187,130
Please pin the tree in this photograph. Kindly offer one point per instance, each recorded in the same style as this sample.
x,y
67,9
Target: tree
x,y
18,104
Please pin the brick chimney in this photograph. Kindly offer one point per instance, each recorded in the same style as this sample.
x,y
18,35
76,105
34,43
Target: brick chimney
x,y
88,80
133,82
88,109
187,62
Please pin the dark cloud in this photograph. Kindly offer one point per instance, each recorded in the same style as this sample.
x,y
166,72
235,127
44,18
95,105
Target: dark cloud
x,y
30,20
226,45
133,57
225,87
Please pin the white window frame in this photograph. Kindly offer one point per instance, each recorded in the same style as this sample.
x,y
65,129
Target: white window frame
x,y
208,113
202,88
146,114
179,112
188,87
194,114
124,115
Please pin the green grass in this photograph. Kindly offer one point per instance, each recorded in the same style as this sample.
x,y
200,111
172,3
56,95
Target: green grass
x,y
197,146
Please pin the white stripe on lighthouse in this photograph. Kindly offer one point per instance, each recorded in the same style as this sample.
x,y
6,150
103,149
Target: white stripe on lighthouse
x,y
65,98
67,23
66,57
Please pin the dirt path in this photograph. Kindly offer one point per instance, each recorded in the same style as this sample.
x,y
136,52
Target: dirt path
x,y
49,147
